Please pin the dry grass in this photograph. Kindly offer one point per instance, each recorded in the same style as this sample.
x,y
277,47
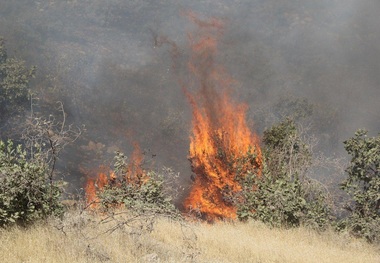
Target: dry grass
x,y
83,238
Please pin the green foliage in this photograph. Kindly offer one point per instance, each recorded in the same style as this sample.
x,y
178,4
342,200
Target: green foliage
x,y
284,202
147,195
14,82
283,195
363,185
26,193
285,153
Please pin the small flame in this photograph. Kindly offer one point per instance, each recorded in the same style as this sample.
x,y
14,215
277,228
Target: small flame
x,y
96,185
90,189
220,136
134,175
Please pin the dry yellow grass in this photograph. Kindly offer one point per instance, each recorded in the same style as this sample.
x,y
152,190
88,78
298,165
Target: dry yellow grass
x,y
77,239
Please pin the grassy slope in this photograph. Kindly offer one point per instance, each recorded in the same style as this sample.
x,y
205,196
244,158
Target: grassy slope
x,y
78,241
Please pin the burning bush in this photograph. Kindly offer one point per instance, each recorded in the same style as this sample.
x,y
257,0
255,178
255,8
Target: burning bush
x,y
220,136
130,186
218,158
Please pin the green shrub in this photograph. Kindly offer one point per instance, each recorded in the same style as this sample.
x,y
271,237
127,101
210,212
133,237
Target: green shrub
x,y
26,192
141,196
284,202
283,195
363,185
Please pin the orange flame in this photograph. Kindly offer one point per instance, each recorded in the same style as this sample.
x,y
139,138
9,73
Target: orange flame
x,y
220,136
95,185
133,175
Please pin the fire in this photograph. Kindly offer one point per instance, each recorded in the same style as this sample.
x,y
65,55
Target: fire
x,y
220,136
93,186
134,174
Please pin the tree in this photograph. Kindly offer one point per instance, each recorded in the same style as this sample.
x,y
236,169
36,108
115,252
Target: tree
x,y
363,185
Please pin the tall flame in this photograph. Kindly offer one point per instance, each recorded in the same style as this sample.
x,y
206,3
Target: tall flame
x,y
220,136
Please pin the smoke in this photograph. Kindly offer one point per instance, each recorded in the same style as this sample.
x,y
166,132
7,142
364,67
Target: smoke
x,y
105,61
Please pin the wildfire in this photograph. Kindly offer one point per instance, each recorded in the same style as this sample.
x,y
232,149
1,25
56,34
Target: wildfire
x,y
96,185
134,174
220,136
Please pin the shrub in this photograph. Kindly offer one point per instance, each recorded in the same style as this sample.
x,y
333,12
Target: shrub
x,y
363,185
284,202
28,189
283,195
146,194
26,193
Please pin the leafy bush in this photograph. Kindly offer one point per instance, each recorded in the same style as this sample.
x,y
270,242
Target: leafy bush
x,y
363,185
28,189
284,201
26,192
147,193
283,195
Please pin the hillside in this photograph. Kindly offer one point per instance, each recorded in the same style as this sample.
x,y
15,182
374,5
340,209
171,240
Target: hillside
x,y
189,131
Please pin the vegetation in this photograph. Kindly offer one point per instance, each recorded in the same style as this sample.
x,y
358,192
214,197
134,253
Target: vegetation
x,y
82,237
29,190
280,195
14,83
283,195
363,185
26,194
145,193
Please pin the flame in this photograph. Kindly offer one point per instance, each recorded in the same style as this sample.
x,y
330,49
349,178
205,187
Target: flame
x,y
96,185
220,136
90,189
133,175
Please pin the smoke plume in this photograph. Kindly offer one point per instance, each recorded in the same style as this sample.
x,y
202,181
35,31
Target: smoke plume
x,y
111,64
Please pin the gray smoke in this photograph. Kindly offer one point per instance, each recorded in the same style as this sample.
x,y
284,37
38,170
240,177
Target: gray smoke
x,y
104,60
